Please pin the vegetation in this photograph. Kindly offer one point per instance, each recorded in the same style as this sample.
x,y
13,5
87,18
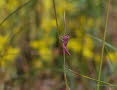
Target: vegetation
x,y
32,55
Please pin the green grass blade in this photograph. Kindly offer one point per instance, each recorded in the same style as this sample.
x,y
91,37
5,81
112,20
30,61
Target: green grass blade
x,y
106,44
103,47
16,10
84,76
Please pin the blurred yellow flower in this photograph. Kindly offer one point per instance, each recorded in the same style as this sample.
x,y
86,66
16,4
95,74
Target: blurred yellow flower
x,y
47,5
88,47
45,53
35,44
74,45
112,56
11,53
12,4
9,56
87,52
3,41
2,3
37,64
65,6
47,24
45,42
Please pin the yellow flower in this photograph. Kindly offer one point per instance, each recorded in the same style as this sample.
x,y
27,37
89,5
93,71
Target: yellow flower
x,y
88,47
47,5
87,53
45,53
11,53
88,42
48,24
112,56
3,41
35,44
9,57
2,3
65,6
74,45
12,4
37,64
45,42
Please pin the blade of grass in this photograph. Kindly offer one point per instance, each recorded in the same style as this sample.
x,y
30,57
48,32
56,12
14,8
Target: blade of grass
x,y
65,23
10,38
106,44
103,46
55,14
16,10
65,76
84,76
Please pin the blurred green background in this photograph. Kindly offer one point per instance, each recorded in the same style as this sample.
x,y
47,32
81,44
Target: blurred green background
x,y
31,54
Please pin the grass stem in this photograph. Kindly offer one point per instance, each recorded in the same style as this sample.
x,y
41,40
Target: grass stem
x,y
55,14
103,46
65,76
84,76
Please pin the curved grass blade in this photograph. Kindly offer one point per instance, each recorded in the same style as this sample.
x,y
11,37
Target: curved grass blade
x,y
84,76
12,13
100,40
10,38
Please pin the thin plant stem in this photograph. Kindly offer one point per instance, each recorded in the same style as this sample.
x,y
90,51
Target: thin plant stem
x,y
2,53
65,24
12,13
84,76
65,76
55,14
103,46
6,18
